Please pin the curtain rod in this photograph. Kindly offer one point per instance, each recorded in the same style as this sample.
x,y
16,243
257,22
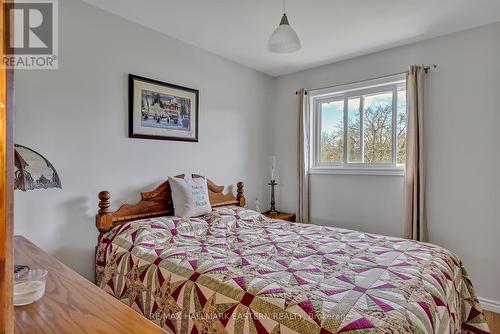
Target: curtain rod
x,y
426,69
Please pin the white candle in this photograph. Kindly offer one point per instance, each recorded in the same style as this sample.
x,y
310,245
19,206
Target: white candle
x,y
273,166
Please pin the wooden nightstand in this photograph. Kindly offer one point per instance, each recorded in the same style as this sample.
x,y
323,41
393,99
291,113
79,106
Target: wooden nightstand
x,y
282,215
72,304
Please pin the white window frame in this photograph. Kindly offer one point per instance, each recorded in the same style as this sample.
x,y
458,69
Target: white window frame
x,y
344,93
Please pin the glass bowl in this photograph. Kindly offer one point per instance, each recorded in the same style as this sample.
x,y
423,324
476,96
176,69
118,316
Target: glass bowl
x,y
29,287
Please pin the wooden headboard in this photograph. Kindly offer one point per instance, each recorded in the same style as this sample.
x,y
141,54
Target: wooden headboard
x,y
159,203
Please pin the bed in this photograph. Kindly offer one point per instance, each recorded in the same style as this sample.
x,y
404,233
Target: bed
x,y
236,271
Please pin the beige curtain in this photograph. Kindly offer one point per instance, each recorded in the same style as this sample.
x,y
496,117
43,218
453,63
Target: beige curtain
x,y
415,211
303,155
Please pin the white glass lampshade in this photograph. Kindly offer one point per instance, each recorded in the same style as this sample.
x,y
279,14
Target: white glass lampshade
x,y
33,171
284,39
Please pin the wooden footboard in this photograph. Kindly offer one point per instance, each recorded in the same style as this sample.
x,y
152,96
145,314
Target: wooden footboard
x,y
159,203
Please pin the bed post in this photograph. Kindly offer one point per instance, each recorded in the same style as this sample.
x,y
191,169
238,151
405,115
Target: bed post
x,y
104,218
239,194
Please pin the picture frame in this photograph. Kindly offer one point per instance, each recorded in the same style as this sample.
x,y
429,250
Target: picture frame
x,y
163,111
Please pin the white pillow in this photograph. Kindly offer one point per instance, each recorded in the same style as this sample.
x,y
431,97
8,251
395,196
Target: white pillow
x,y
190,196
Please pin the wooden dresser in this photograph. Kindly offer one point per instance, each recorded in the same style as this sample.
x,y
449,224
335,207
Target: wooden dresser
x,y
71,303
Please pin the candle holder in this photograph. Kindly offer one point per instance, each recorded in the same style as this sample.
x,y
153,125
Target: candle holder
x,y
272,211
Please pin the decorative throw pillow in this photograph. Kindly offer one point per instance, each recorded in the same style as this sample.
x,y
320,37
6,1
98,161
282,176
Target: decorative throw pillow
x,y
190,196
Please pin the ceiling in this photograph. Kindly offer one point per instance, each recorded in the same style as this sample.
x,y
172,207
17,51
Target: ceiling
x,y
330,30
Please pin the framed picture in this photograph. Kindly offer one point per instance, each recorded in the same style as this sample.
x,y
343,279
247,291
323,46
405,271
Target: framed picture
x,y
159,110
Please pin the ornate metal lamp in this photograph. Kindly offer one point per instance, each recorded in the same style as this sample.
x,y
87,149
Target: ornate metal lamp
x,y
272,211
33,171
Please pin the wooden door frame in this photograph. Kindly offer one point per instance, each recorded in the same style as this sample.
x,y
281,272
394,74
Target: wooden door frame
x,y
6,182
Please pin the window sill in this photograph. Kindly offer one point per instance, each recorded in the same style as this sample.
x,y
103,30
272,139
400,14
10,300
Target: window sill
x,y
357,171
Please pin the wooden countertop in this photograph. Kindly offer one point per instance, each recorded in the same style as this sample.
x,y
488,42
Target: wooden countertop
x,y
71,303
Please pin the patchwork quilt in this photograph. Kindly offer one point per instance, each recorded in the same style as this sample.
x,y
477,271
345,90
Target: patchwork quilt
x,y
236,271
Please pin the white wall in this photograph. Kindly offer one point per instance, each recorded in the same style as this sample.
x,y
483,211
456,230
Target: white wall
x,y
358,202
77,118
461,132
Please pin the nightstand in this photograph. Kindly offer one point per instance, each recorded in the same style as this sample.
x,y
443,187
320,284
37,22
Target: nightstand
x,y
282,215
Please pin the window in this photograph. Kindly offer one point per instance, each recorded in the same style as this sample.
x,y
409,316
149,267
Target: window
x,y
361,127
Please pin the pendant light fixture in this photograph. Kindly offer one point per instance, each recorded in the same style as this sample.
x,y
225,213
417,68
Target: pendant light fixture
x,y
284,39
